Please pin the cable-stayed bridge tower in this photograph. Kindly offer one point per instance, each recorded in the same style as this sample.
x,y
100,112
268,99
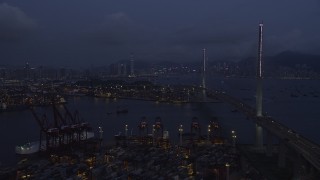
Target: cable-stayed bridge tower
x,y
204,69
203,84
259,133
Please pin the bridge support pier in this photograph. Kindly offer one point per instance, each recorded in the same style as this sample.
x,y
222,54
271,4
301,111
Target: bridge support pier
x,y
311,170
259,137
298,167
269,144
282,155
204,95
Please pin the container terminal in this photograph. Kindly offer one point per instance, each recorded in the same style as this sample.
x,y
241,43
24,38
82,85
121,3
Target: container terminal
x,y
71,149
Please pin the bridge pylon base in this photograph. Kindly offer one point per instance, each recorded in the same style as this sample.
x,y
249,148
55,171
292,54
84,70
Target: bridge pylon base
x,y
269,145
259,137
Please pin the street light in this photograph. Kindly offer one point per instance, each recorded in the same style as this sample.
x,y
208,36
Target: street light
x,y
101,135
209,130
100,132
233,136
180,133
227,169
126,129
153,132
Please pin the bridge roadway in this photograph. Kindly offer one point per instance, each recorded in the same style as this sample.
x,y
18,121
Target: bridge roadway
x,y
309,150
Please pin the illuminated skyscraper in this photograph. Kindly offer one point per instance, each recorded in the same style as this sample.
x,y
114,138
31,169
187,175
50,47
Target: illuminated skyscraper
x,y
27,70
132,65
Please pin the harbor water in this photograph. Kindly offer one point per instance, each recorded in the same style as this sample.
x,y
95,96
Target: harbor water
x,y
292,102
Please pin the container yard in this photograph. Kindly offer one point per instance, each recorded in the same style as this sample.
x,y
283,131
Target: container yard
x,y
148,155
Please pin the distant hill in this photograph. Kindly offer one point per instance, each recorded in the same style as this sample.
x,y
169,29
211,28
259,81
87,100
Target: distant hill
x,y
292,59
285,59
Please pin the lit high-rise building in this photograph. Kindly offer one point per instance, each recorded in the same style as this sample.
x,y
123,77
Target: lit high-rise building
x,y
132,65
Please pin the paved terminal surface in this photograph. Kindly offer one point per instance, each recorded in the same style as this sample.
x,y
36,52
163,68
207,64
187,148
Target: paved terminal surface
x,y
136,161
268,166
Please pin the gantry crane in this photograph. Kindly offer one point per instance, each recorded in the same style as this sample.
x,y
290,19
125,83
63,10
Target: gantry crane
x,y
65,130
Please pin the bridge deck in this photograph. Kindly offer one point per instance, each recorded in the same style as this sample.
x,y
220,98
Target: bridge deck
x,y
308,149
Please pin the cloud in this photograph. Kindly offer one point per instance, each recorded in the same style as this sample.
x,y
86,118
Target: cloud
x,y
295,40
225,30
14,23
118,17
118,30
114,30
211,39
220,42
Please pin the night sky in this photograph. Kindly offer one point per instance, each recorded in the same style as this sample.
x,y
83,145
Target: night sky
x,y
80,33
